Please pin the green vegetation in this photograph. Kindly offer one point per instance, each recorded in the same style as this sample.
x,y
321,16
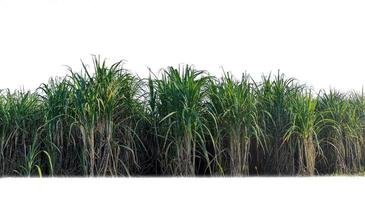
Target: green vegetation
x,y
105,121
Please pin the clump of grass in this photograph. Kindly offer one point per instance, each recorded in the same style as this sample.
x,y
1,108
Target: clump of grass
x,y
179,101
343,136
234,106
306,124
275,97
21,124
103,106
59,139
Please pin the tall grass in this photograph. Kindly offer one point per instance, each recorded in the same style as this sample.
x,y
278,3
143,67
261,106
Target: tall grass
x,y
234,107
343,141
21,126
275,96
303,133
105,121
183,131
104,108
58,140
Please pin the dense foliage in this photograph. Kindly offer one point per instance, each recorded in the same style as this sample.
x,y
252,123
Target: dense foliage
x,y
180,122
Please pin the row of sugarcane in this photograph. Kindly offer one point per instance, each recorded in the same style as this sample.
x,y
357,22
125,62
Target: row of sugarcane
x,y
179,122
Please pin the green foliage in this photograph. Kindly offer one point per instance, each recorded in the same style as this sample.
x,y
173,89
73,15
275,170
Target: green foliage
x,y
234,108
106,121
180,104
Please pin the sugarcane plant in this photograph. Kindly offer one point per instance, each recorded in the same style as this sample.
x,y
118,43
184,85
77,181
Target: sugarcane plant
x,y
343,136
234,105
307,122
103,106
274,96
180,103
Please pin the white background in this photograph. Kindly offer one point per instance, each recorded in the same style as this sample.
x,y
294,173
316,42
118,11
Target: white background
x,y
319,42
331,188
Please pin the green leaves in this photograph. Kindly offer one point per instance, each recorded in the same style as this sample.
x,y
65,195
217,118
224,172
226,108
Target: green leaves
x,y
179,101
98,102
105,121
233,105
